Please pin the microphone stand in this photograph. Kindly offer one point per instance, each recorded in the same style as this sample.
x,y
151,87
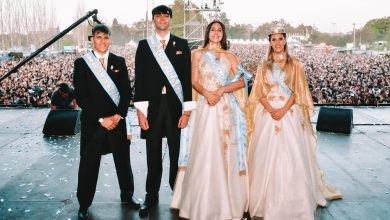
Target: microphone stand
x,y
13,70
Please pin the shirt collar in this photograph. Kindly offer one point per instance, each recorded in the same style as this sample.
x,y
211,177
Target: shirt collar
x,y
166,37
105,55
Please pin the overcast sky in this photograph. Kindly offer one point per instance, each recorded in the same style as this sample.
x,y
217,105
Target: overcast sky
x,y
326,15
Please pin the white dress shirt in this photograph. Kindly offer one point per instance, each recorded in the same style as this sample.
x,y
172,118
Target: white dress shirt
x,y
105,55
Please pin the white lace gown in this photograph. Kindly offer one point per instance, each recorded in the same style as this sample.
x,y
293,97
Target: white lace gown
x,y
211,187
282,164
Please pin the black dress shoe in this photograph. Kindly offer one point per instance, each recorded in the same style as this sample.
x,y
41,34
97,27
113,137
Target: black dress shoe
x,y
247,215
132,201
83,214
148,205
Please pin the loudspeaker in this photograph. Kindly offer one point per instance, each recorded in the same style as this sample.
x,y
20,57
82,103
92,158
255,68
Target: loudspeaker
x,y
337,120
62,122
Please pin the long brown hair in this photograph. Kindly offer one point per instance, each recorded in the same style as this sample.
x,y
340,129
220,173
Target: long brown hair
x,y
206,41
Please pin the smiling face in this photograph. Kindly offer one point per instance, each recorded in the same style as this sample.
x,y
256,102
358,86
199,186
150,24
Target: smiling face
x,y
162,21
101,42
278,43
216,33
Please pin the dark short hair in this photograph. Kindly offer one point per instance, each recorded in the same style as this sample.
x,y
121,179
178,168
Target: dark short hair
x,y
64,88
162,9
101,28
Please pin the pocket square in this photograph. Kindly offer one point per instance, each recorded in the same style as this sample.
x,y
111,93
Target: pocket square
x,y
179,52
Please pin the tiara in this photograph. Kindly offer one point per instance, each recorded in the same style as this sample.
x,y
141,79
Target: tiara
x,y
276,27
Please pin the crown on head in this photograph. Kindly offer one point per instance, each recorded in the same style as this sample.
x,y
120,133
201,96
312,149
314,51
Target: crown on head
x,y
277,27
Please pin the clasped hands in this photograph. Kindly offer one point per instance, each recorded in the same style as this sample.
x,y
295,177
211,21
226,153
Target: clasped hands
x,y
111,122
277,114
213,97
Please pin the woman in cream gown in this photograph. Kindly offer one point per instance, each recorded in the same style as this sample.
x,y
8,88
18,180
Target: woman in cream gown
x,y
213,184
285,179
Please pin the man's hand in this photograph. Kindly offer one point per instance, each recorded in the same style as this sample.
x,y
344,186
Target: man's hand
x,y
109,123
117,118
142,120
183,121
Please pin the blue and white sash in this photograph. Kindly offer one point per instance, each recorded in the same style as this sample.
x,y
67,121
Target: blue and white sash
x,y
165,65
239,127
169,72
280,81
106,81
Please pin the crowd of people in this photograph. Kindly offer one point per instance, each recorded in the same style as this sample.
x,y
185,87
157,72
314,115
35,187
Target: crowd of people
x,y
35,82
334,78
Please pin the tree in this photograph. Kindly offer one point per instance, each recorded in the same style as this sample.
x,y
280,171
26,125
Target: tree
x,y
238,31
177,17
376,29
121,34
177,26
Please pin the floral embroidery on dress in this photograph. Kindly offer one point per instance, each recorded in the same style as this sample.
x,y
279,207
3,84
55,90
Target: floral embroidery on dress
x,y
271,98
277,129
303,124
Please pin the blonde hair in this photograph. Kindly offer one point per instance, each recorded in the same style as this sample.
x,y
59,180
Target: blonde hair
x,y
270,56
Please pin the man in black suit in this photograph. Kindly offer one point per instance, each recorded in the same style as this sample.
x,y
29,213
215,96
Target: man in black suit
x,y
163,105
102,90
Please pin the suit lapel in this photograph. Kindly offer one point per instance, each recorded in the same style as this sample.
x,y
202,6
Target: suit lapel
x,y
109,62
169,50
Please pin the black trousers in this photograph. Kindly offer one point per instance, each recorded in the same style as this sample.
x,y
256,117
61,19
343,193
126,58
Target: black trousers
x,y
162,125
90,156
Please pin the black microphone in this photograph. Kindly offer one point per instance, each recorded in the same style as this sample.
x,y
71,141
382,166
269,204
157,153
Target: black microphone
x,y
94,17
95,11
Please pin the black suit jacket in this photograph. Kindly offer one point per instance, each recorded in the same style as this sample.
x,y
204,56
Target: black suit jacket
x,y
150,79
94,100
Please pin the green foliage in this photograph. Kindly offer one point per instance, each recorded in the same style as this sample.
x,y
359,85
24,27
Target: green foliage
x,y
177,25
177,18
380,27
336,40
238,31
121,34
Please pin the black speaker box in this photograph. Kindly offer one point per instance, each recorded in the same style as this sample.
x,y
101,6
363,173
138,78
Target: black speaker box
x,y
62,122
337,120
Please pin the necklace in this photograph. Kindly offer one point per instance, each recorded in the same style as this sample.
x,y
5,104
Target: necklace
x,y
214,46
279,58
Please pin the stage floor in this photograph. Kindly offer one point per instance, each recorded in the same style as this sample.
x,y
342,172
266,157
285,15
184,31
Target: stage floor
x,y
38,174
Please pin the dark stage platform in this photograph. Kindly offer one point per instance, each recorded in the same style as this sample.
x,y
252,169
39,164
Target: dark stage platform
x,y
38,174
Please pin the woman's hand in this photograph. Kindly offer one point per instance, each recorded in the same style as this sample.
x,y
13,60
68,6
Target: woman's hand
x,y
211,97
220,91
279,113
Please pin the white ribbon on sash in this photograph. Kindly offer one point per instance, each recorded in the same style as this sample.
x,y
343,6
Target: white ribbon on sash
x,y
106,82
169,72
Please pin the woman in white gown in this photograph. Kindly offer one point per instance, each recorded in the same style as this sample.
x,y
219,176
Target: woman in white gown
x,y
213,185
285,179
